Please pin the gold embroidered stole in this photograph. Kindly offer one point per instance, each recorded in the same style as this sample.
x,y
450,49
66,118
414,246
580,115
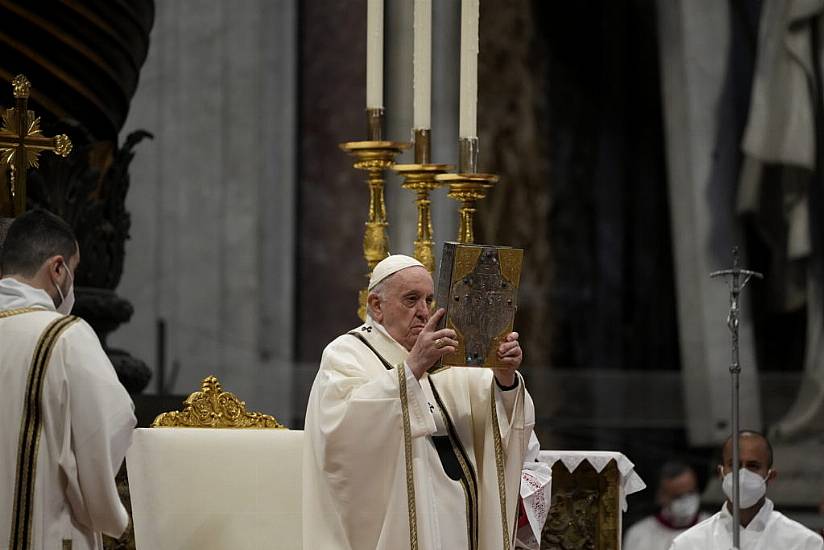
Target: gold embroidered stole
x,y
30,428
470,481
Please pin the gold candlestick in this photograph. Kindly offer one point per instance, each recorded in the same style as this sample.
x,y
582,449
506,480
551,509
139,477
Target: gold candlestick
x,y
420,178
374,156
467,187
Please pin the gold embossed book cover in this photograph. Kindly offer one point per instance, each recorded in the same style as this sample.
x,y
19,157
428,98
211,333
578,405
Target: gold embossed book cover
x,y
478,287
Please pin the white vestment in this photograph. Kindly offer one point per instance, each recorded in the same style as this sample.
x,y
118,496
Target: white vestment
x,y
651,534
768,530
355,476
85,429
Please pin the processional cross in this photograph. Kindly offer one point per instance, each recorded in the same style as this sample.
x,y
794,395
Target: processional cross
x,y
21,142
737,279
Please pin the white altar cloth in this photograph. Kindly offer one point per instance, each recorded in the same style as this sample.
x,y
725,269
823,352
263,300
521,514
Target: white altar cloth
x,y
631,482
216,489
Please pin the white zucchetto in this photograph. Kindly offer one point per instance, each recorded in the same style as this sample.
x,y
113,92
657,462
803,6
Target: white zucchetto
x,y
391,265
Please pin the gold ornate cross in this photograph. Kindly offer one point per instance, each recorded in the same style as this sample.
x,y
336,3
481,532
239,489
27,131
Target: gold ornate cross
x,y
21,142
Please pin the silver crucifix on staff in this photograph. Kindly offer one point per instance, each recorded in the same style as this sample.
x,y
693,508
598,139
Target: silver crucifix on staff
x,y
737,279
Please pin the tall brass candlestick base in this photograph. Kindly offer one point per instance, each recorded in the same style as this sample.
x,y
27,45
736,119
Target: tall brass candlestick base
x,y
374,157
420,178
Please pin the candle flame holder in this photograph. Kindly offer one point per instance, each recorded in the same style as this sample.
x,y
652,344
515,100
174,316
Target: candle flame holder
x,y
374,157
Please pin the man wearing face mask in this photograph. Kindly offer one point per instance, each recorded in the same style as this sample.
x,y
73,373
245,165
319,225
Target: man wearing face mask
x,y
65,419
762,527
678,501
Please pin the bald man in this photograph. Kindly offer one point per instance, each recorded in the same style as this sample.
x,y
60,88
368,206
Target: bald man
x,y
762,527
398,457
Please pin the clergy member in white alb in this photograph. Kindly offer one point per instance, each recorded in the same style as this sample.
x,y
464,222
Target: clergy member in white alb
x,y
65,419
373,406
763,527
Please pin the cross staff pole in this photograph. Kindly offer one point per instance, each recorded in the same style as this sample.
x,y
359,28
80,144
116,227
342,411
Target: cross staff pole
x,y
21,142
737,279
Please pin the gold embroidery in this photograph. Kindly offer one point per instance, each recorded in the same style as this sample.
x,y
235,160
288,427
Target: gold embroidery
x,y
17,311
499,466
67,544
407,448
29,440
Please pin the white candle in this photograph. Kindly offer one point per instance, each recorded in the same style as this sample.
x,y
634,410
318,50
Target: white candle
x,y
422,65
374,54
468,120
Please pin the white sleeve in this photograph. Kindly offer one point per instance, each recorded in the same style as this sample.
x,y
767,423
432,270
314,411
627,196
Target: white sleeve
x,y
535,492
101,424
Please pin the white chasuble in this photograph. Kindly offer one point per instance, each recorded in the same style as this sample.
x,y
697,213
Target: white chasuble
x,y
65,425
355,494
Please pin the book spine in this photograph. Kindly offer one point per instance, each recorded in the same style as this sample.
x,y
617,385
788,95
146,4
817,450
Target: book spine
x,y
445,279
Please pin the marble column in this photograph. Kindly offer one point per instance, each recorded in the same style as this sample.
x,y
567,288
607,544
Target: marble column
x,y
703,158
212,198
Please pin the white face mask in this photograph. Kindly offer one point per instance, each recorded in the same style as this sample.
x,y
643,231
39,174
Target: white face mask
x,y
681,511
751,487
66,302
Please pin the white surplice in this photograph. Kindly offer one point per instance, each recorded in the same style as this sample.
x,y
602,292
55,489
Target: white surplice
x,y
355,492
768,530
87,424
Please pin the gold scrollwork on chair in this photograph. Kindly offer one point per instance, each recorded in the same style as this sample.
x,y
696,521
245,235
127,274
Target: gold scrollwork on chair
x,y
211,407
584,513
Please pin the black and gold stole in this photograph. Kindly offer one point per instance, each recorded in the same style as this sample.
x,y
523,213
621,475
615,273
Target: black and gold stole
x,y
454,458
30,428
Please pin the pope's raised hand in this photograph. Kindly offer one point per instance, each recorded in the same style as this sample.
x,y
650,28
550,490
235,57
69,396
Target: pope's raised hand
x,y
431,345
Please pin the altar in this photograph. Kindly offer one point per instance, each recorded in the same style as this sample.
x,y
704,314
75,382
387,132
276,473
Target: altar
x,y
589,496
214,476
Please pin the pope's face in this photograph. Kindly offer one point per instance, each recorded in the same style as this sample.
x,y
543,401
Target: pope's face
x,y
406,304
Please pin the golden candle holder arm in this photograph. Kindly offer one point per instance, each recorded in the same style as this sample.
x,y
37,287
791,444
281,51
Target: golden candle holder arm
x,y
420,178
374,157
467,189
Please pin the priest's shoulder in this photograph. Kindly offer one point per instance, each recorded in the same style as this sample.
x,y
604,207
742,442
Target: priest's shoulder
x,y
800,532
696,536
78,335
345,343
30,321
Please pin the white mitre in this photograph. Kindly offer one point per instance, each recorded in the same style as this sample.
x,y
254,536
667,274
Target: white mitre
x,y
391,265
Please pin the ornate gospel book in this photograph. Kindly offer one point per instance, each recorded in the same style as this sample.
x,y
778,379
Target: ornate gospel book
x,y
478,287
